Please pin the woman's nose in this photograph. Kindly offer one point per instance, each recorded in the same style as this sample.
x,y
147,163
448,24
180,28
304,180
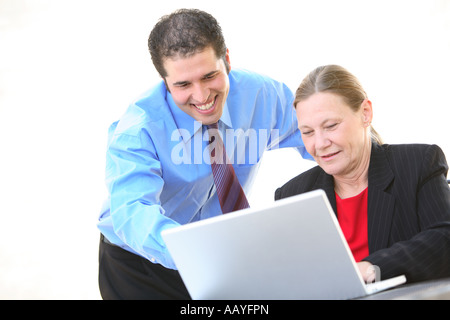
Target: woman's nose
x,y
322,141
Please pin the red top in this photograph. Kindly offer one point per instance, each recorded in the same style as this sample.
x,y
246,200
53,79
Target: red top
x,y
352,217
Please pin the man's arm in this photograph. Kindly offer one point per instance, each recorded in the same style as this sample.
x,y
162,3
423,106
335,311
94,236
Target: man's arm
x,y
134,180
288,134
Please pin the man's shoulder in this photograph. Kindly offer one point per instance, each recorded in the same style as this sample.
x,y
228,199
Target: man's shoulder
x,y
155,97
258,87
149,107
250,78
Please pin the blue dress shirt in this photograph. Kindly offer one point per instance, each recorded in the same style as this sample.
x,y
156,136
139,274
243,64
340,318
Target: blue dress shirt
x,y
158,171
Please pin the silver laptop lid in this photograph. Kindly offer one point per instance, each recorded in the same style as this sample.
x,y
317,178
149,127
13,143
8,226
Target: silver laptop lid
x,y
293,249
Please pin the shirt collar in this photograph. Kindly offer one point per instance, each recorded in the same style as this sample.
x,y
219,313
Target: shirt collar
x,y
225,118
183,121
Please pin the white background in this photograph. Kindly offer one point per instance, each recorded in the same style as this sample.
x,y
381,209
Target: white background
x,y
70,68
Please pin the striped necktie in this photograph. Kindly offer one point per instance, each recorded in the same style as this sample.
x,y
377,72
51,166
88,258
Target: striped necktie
x,y
229,190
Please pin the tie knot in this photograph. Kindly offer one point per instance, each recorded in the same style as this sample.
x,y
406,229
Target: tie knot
x,y
212,126
215,131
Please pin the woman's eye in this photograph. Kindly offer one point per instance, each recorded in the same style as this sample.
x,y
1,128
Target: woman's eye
x,y
332,126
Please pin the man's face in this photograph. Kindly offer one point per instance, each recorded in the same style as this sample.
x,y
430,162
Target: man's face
x,y
199,84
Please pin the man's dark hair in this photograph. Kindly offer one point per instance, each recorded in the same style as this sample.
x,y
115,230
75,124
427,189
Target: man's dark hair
x,y
185,33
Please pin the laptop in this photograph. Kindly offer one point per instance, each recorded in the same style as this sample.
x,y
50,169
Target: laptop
x,y
291,249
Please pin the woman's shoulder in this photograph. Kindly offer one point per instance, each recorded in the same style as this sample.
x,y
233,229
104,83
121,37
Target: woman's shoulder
x,y
302,183
413,162
413,151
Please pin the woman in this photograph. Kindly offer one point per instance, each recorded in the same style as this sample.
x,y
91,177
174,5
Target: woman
x,y
392,201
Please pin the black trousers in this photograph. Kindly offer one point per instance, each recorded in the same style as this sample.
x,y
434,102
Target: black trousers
x,y
126,276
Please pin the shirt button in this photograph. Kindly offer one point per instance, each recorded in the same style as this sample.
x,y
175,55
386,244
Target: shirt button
x,y
153,260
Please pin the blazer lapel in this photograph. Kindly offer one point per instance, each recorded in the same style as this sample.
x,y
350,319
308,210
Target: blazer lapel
x,y
326,183
381,205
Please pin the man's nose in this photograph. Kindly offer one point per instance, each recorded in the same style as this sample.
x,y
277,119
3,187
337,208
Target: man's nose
x,y
200,93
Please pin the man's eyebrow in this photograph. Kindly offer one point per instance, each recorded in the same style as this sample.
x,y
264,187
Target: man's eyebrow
x,y
180,83
184,83
210,74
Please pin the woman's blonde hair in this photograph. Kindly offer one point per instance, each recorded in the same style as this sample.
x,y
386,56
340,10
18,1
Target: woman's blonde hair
x,y
335,79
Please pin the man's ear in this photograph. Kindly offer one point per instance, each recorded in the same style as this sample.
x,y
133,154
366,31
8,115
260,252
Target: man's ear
x,y
226,60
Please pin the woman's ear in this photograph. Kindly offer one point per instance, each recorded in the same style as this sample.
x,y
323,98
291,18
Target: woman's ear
x,y
367,112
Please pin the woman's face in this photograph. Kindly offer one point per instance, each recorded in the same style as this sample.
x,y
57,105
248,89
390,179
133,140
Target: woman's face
x,y
337,137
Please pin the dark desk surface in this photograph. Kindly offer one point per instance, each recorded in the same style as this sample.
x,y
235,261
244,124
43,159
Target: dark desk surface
x,y
429,290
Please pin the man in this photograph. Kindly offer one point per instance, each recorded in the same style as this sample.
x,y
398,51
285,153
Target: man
x,y
159,171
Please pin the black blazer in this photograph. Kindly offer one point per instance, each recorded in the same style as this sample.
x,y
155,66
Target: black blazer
x,y
408,209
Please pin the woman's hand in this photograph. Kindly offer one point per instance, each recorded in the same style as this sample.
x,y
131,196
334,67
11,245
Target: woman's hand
x,y
368,271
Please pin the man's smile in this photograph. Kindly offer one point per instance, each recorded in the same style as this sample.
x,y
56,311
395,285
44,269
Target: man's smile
x,y
206,107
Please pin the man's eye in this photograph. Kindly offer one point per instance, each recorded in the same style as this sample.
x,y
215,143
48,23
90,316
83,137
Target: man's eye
x,y
209,77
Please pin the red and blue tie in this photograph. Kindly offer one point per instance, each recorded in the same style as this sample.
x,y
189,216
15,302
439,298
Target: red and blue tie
x,y
229,190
